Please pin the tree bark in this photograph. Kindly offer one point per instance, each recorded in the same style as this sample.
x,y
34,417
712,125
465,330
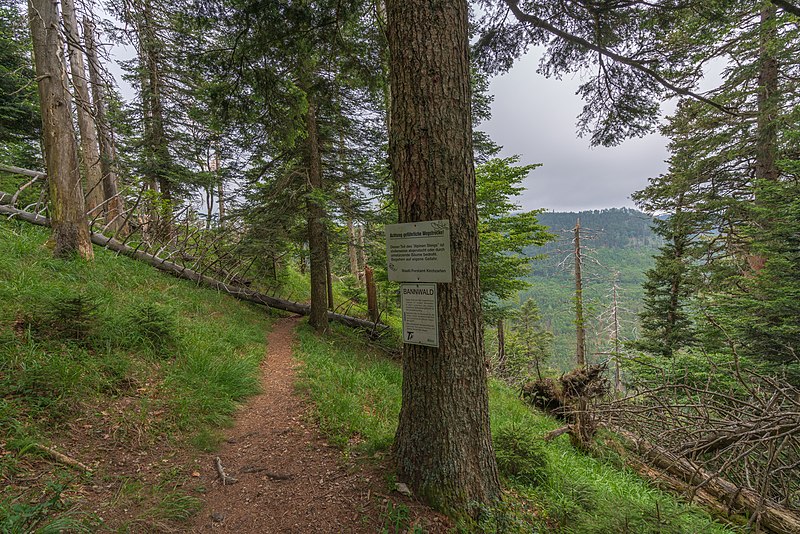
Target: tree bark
x,y
767,99
67,208
443,446
329,276
220,189
114,203
351,250
90,152
361,253
316,228
372,294
501,344
155,136
580,328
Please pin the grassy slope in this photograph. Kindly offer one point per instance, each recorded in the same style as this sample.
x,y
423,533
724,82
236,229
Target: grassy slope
x,y
357,394
144,358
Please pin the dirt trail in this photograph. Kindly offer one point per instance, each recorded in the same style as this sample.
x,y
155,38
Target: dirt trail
x,y
288,478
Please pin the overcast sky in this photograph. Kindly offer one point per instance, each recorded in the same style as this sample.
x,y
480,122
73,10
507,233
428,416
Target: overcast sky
x,y
535,117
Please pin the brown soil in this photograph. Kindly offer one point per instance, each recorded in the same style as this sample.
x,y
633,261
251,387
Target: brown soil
x,y
288,479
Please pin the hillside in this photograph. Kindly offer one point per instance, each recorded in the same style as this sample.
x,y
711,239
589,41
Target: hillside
x,y
617,244
135,374
124,369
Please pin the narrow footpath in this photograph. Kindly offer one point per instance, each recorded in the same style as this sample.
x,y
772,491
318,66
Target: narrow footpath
x,y
287,478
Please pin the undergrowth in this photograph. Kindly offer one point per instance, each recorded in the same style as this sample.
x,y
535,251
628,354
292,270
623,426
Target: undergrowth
x,y
146,357
549,486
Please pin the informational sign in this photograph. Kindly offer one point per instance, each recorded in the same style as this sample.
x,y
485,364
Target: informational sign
x,y
420,316
419,252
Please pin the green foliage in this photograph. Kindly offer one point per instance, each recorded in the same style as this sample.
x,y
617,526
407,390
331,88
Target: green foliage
x,y
528,346
151,327
665,318
19,103
512,514
503,232
19,516
520,454
761,311
396,520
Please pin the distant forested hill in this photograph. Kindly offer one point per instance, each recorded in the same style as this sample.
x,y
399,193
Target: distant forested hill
x,y
618,244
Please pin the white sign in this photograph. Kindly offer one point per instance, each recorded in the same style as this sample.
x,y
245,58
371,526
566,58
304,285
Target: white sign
x,y
419,252
420,314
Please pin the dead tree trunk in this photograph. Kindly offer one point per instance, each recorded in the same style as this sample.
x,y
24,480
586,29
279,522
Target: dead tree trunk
x,y
580,329
114,202
615,312
67,208
361,253
90,152
329,276
351,250
714,491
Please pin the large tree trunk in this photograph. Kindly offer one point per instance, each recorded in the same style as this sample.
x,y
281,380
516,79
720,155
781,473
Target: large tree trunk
x,y
767,98
114,203
67,208
90,153
316,228
443,447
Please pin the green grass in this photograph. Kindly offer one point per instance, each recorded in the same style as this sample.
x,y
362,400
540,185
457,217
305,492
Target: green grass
x,y
357,394
354,391
147,356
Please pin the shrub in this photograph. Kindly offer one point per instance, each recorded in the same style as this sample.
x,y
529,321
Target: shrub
x,y
152,327
520,454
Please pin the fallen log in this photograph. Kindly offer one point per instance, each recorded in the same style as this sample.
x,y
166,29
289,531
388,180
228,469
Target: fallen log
x,y
24,172
180,271
712,490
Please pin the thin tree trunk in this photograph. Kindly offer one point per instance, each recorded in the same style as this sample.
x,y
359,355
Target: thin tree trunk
x,y
617,375
67,208
351,250
443,447
361,253
372,294
329,276
768,108
90,152
155,136
501,344
316,229
114,203
220,189
580,328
